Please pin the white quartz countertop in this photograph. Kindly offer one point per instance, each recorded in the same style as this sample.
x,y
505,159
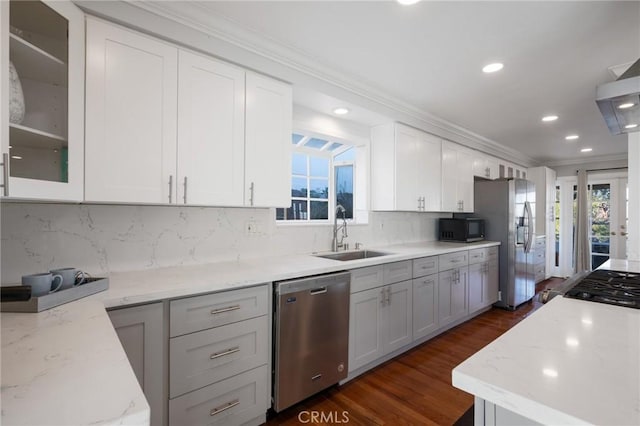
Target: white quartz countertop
x,y
570,362
65,366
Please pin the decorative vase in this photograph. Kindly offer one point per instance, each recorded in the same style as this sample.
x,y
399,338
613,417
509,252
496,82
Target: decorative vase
x,y
16,97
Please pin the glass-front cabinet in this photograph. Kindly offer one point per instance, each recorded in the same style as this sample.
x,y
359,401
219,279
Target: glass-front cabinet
x,y
42,113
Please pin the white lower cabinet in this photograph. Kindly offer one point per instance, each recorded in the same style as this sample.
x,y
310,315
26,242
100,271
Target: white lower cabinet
x,y
141,333
380,318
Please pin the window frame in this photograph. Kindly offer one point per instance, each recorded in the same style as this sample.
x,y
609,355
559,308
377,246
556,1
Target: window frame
x,y
323,153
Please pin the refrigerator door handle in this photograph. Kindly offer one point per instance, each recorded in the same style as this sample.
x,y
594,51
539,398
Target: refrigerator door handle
x,y
529,227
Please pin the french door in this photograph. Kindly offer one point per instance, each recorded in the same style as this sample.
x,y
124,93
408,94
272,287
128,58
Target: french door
x,y
608,221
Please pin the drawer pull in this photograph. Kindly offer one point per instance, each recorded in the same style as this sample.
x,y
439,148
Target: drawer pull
x,y
223,310
224,407
223,353
316,377
319,290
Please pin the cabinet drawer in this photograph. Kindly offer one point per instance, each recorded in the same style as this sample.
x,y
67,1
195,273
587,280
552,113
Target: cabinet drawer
x,y
453,260
425,266
540,243
212,310
397,271
539,257
478,255
366,278
206,357
234,401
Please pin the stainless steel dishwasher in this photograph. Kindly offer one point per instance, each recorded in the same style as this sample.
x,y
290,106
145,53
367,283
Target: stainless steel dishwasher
x,y
311,336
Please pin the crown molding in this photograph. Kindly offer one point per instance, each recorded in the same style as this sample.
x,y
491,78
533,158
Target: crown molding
x,y
199,17
588,160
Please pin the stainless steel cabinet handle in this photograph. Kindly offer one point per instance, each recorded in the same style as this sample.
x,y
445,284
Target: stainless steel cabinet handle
x,y
383,298
227,309
251,190
224,407
170,188
419,203
388,295
5,174
316,377
184,195
318,290
223,353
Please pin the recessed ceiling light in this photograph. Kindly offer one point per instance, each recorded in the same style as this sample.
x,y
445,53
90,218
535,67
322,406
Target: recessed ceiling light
x,y
586,150
407,2
550,118
497,66
341,110
16,157
572,137
631,126
626,105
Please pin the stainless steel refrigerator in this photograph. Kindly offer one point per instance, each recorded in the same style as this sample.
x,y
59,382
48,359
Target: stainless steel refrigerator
x,y
508,208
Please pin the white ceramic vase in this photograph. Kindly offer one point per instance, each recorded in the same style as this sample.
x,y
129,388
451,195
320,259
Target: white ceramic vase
x,y
16,97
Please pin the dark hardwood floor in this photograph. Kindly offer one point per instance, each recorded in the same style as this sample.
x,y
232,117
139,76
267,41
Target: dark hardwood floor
x,y
415,387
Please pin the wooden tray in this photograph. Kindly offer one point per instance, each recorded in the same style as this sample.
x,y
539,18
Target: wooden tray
x,y
48,301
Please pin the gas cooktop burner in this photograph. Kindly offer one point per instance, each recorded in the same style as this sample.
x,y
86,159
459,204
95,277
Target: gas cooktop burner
x,y
612,287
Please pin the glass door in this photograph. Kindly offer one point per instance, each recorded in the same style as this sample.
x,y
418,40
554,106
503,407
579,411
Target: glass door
x,y
44,148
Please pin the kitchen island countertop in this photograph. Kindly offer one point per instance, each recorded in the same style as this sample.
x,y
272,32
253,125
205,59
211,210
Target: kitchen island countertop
x,y
65,366
570,362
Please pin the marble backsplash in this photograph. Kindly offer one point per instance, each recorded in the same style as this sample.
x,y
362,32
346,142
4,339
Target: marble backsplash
x,y
104,238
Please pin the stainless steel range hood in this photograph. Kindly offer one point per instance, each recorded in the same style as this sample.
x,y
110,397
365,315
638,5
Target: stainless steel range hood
x,y
625,90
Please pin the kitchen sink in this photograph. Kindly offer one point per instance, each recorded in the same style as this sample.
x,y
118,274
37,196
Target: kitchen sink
x,y
353,255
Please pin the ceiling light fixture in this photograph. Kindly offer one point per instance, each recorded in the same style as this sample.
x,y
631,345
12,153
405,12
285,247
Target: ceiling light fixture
x,y
586,150
550,118
626,105
407,2
341,111
496,66
631,126
572,137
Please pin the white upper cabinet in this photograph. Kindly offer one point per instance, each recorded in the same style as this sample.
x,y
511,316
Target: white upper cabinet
x,y
168,126
42,129
485,166
457,178
267,142
405,169
210,131
130,116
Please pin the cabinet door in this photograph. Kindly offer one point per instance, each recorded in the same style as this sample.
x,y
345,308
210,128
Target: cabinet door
x,y
397,320
365,339
210,132
449,178
267,142
464,185
476,290
42,135
425,305
492,282
430,167
141,332
131,104
452,295
408,177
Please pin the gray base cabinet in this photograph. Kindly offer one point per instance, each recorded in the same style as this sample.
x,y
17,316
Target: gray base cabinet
x,y
489,414
219,355
141,332
380,314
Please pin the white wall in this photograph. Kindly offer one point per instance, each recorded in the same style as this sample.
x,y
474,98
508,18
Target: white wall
x,y
571,169
105,238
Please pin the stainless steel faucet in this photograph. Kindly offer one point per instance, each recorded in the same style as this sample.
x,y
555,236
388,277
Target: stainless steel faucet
x,y
335,245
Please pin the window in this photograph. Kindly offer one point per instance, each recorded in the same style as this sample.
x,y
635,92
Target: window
x,y
322,176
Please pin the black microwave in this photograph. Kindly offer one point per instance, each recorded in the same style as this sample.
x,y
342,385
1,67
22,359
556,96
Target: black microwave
x,y
465,230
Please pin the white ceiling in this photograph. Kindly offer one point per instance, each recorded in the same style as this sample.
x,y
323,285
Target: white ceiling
x,y
430,56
